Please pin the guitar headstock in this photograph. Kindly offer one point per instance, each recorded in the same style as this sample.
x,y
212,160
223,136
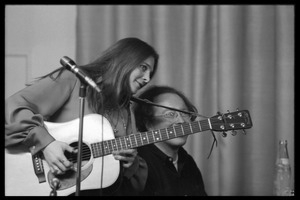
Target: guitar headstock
x,y
231,121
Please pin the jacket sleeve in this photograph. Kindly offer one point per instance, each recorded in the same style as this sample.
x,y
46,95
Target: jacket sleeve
x,y
137,174
133,179
26,110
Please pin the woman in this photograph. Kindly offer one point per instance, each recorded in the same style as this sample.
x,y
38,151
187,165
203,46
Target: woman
x,y
120,72
171,170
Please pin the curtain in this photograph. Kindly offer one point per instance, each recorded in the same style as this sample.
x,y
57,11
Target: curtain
x,y
223,58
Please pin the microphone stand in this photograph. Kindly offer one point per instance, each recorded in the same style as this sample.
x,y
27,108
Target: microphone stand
x,y
82,95
54,184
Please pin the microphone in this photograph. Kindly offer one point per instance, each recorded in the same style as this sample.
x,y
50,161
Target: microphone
x,y
70,65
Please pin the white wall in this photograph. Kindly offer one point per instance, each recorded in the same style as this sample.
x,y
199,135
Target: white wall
x,y
36,37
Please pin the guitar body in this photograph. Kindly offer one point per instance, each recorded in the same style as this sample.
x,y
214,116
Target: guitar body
x,y
96,173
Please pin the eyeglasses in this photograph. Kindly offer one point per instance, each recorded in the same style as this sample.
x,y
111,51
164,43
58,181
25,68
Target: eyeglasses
x,y
174,115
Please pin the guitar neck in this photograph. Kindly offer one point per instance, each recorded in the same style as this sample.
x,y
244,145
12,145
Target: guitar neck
x,y
144,138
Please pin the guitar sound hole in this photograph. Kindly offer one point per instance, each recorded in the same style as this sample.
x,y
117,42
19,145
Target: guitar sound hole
x,y
68,179
86,154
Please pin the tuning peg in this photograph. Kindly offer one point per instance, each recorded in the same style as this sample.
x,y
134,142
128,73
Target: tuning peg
x,y
244,132
220,117
224,134
233,132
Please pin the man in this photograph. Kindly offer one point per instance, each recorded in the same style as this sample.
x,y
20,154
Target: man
x,y
171,170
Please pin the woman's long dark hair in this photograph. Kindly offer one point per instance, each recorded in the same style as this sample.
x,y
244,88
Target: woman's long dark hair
x,y
111,72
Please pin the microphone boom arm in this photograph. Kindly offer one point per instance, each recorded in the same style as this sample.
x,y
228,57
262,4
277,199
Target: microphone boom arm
x,y
145,101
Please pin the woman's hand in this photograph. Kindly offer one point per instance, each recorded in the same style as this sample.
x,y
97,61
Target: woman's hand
x,y
54,155
127,156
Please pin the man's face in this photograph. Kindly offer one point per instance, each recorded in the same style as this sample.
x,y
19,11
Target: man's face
x,y
165,117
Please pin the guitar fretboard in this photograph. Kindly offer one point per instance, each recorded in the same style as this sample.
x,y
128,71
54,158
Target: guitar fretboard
x,y
144,138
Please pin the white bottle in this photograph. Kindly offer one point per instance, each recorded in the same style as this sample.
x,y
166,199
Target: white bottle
x,y
282,182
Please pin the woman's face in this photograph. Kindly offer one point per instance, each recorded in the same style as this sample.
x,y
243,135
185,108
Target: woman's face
x,y
141,75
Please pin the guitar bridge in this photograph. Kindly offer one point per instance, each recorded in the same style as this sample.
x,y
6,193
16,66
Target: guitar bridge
x,y
38,168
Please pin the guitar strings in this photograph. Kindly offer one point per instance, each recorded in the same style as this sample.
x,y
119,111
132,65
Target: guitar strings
x,y
87,153
139,139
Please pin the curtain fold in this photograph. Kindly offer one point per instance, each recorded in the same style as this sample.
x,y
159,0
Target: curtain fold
x,y
223,57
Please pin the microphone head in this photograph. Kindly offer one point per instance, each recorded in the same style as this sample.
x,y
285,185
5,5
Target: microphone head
x,y
67,62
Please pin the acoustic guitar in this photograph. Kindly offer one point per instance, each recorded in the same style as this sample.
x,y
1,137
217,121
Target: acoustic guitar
x,y
27,175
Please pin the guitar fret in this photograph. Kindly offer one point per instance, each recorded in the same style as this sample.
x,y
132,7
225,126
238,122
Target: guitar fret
x,y
190,126
156,136
128,142
105,147
123,143
182,129
205,125
174,131
160,135
139,139
119,145
134,136
178,130
186,128
163,134
150,137
144,137
100,148
196,127
200,126
170,133
133,140
147,138
94,150
114,145
110,149
97,150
